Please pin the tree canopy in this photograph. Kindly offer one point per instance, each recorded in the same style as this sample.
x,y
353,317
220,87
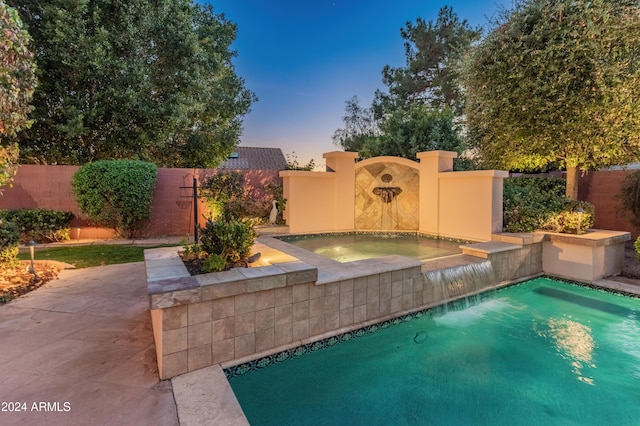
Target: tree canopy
x,y
17,83
557,81
429,77
360,127
139,79
420,109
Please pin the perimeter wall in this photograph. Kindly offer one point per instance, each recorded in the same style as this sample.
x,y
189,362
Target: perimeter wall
x,y
49,187
601,188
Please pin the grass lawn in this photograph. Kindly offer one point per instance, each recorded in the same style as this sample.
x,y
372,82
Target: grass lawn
x,y
93,255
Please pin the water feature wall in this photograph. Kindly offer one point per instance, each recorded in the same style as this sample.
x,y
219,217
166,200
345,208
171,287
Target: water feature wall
x,y
387,194
392,193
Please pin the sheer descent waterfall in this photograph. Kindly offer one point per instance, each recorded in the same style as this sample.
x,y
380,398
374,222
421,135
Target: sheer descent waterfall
x,y
460,281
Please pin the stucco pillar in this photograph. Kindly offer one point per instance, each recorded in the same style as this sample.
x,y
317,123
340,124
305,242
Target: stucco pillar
x,y
343,165
431,164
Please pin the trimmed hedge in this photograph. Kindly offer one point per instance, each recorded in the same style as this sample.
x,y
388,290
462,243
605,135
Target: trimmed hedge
x,y
533,203
116,194
39,225
527,201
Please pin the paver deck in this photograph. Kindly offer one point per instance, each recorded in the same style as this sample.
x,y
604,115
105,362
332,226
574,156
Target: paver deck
x,y
83,344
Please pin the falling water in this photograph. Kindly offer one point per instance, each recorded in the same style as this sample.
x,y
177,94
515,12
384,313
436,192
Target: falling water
x,y
389,214
464,282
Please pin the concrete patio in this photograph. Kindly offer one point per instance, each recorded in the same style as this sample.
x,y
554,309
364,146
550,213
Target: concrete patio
x,y
83,343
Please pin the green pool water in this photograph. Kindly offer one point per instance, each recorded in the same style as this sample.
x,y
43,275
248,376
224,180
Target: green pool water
x,y
350,247
540,353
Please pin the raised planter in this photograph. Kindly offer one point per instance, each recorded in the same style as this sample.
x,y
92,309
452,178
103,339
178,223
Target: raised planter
x,y
587,257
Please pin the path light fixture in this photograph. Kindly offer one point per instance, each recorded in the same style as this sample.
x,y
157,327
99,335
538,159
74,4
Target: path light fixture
x,y
254,258
580,212
31,268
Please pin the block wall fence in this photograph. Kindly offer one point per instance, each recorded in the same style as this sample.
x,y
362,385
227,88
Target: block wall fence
x,y
601,188
49,187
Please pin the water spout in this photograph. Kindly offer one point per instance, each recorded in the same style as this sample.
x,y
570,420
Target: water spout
x,y
387,193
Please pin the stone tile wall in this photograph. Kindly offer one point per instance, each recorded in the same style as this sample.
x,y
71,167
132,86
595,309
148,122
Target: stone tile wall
x,y
243,314
240,320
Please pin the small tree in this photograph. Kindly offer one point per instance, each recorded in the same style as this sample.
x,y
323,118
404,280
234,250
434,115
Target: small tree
x,y
557,82
116,193
360,127
221,191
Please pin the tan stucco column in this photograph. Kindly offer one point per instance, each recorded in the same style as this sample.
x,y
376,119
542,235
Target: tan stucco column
x,y
432,163
343,165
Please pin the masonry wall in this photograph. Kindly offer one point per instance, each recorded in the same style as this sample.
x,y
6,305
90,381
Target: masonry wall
x,y
601,188
49,187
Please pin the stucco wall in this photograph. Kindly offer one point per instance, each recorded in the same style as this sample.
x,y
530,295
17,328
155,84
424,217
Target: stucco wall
x,y
311,201
433,199
470,204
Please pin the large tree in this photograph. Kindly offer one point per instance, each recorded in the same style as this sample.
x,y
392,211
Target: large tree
x,y
420,110
558,81
142,79
429,77
17,83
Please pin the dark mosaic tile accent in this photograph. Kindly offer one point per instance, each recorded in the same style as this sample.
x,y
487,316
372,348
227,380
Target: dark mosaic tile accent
x,y
260,363
594,287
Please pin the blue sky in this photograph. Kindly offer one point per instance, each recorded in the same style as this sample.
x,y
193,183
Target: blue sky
x,y
305,58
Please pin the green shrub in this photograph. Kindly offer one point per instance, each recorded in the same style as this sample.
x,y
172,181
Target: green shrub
x,y
9,237
532,203
528,201
228,197
40,225
223,193
231,239
569,221
214,263
636,245
116,193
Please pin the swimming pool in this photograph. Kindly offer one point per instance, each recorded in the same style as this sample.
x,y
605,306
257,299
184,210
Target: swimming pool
x,y
357,246
541,352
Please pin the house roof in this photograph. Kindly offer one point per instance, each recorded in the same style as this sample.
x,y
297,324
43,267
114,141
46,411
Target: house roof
x,y
255,158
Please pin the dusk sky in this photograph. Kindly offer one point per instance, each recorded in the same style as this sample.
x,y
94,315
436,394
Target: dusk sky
x,y
305,58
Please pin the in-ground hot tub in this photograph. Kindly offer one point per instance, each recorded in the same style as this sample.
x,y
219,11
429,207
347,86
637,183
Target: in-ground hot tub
x,y
348,247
